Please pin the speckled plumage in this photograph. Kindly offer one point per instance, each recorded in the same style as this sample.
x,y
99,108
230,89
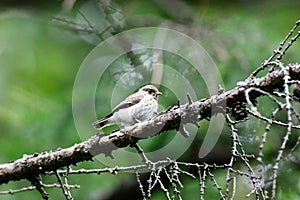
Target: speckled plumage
x,y
139,106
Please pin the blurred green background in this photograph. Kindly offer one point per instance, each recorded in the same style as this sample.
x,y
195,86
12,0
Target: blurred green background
x,y
40,56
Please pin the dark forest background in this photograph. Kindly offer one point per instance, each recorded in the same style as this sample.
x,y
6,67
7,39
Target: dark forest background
x,y
40,56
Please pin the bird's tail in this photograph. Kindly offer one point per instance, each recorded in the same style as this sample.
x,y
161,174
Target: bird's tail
x,y
100,123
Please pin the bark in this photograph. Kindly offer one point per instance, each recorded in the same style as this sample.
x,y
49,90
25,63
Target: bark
x,y
173,118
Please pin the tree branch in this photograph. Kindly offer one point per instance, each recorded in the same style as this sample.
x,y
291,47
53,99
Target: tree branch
x,y
172,119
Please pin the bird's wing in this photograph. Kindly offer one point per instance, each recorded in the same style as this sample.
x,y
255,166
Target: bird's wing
x,y
129,101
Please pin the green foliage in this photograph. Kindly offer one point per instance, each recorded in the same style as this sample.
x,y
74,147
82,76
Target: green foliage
x,y
39,62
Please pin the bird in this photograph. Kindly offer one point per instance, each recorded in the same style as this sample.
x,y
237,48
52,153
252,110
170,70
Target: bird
x,y
137,107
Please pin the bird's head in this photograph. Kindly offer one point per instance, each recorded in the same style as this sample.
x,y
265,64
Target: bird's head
x,y
152,90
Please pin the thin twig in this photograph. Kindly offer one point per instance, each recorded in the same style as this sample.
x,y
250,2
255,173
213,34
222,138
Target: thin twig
x,y
63,187
24,189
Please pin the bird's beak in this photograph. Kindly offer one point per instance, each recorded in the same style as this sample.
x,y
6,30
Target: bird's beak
x,y
157,94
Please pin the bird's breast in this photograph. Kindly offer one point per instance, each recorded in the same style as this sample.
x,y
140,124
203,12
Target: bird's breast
x,y
145,109
141,111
